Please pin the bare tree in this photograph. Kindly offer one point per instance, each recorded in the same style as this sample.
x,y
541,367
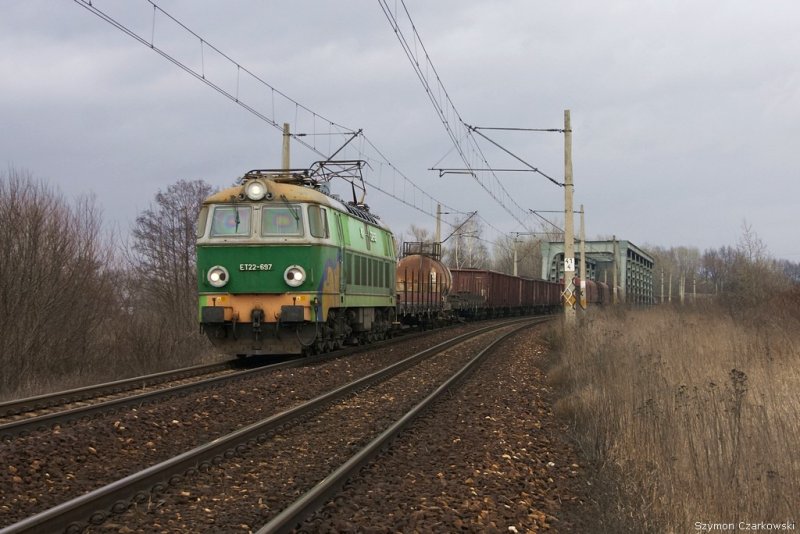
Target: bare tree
x,y
56,293
466,248
163,255
755,276
743,275
158,288
789,268
529,255
680,266
420,234
504,254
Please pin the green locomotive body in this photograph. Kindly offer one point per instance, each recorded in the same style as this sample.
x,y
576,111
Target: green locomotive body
x,y
284,268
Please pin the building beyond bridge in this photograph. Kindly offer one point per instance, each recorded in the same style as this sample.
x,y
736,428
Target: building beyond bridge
x,y
633,267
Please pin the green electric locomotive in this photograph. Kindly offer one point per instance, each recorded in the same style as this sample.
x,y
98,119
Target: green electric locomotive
x,y
285,268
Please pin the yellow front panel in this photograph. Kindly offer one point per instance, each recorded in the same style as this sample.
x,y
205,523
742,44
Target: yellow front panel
x,y
242,305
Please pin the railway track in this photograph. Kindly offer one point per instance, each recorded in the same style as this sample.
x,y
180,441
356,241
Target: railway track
x,y
41,404
43,412
110,397
293,515
181,471
23,416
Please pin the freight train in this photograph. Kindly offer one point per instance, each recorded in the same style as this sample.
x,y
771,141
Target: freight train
x,y
427,291
286,268
597,293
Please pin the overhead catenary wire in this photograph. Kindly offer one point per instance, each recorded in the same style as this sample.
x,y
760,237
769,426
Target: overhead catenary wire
x,y
552,130
532,168
87,4
270,115
445,108
413,196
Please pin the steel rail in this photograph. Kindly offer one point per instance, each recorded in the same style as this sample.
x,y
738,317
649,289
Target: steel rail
x,y
85,393
49,400
293,515
42,422
115,497
48,421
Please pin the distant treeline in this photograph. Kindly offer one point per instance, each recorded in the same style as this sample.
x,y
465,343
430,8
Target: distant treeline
x,y
740,275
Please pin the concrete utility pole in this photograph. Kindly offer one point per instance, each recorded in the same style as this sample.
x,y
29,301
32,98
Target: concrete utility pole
x,y
286,139
515,256
682,287
669,297
584,302
662,286
569,232
438,223
615,293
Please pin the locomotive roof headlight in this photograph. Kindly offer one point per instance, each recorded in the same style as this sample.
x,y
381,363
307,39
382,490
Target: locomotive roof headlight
x,y
294,275
255,190
218,276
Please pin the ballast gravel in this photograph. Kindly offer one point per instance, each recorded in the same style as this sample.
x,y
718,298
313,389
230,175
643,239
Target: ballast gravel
x,y
46,468
246,491
492,458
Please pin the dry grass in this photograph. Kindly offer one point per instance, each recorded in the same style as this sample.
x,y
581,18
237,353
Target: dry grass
x,y
694,413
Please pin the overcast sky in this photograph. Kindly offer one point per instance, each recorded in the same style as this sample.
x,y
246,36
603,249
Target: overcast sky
x,y
686,114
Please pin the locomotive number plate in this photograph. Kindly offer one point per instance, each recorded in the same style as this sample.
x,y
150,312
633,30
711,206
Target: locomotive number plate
x,y
255,266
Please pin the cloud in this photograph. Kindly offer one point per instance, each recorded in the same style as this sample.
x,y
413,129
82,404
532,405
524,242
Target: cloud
x,y
685,113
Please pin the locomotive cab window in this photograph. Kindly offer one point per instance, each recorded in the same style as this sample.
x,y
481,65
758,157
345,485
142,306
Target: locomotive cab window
x,y
202,219
230,221
282,221
318,221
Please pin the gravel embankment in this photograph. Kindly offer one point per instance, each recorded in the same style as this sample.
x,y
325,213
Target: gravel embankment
x,y
491,458
44,469
244,492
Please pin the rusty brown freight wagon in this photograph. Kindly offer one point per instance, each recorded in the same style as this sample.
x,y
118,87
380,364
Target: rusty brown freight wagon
x,y
478,292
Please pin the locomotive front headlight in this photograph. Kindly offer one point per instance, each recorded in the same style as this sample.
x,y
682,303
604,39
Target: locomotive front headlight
x,y
218,276
294,275
255,190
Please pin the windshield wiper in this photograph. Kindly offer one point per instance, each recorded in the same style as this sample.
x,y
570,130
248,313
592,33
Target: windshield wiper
x,y
295,214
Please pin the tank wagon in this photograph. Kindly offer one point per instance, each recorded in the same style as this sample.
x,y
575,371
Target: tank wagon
x,y
423,285
284,268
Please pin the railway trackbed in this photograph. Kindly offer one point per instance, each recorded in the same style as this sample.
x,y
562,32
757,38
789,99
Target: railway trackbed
x,y
263,466
42,404
59,409
51,411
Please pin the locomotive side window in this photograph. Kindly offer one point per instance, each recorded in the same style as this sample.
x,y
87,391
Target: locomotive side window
x,y
349,268
282,221
363,273
318,221
230,221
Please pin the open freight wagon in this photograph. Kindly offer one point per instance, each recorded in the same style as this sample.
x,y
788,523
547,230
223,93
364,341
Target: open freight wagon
x,y
485,293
